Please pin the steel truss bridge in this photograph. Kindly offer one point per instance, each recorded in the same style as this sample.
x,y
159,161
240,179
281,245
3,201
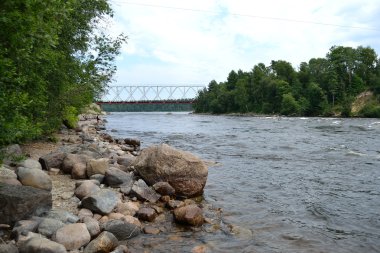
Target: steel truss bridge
x,y
149,98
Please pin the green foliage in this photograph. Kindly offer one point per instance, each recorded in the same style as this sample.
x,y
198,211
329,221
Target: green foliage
x,y
371,110
289,105
323,86
70,117
53,58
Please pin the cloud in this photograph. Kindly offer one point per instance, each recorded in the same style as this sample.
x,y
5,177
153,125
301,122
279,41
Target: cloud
x,y
197,41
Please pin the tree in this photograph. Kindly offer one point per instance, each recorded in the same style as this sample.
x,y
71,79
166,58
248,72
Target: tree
x,y
53,62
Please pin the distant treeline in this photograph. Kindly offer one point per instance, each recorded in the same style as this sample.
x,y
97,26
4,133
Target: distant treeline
x,y
321,87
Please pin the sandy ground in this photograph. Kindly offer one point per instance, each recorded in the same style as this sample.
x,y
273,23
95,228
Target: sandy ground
x,y
63,185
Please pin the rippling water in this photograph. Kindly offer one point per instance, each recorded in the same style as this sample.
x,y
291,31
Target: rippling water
x,y
284,184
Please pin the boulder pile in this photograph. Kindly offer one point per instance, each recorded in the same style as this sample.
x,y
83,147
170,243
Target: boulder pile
x,y
121,191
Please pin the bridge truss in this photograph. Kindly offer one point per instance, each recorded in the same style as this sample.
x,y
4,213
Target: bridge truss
x,y
134,94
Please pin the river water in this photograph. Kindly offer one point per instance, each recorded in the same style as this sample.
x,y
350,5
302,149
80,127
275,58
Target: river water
x,y
282,184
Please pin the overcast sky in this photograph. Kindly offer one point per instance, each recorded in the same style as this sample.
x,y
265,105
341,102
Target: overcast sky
x,y
196,41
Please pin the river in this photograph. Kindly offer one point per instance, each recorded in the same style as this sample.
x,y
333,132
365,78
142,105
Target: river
x,y
283,184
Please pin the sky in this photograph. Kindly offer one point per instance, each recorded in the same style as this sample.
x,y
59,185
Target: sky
x,y
193,42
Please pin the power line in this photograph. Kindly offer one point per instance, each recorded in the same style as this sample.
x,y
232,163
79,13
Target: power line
x,y
247,15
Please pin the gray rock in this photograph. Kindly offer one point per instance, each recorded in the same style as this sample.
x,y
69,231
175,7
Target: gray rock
x,y
31,164
37,244
142,191
8,248
63,215
98,177
35,178
85,189
10,153
164,188
104,243
52,160
186,173
72,236
97,166
49,226
21,202
115,178
92,226
23,227
102,202
121,229
126,160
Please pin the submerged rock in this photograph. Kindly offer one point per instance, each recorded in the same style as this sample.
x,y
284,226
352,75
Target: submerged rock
x,y
190,214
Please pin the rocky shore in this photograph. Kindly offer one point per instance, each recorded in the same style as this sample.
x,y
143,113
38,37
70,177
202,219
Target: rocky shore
x,y
93,193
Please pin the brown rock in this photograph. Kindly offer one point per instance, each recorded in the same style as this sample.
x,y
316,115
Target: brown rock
x,y
104,243
186,173
190,214
72,236
98,166
164,188
52,160
175,203
151,230
128,208
147,214
85,189
92,226
71,160
79,171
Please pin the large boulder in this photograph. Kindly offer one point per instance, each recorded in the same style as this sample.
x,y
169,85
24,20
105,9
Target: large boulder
x,y
21,202
102,201
186,173
52,160
35,178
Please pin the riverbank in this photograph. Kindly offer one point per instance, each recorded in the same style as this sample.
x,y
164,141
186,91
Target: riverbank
x,y
129,204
